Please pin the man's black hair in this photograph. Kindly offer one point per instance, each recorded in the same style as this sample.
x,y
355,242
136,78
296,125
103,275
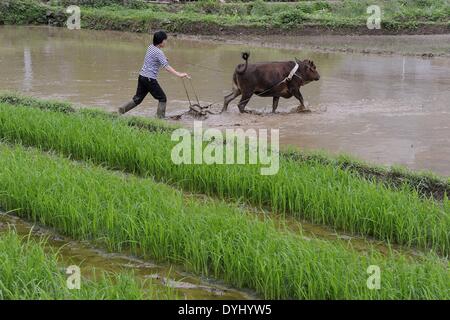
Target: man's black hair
x,y
159,37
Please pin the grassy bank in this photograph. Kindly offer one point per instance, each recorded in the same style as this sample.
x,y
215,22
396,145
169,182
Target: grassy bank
x,y
426,184
318,192
149,124
27,271
256,17
207,237
30,12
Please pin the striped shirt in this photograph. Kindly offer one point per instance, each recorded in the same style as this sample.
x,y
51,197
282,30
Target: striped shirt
x,y
154,60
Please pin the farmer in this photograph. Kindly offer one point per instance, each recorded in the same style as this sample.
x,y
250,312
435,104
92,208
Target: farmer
x,y
154,60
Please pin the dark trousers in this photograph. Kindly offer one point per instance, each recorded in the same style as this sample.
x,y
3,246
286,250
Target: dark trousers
x,y
146,85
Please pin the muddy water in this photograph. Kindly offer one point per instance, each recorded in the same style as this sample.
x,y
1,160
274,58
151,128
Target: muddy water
x,y
385,109
89,258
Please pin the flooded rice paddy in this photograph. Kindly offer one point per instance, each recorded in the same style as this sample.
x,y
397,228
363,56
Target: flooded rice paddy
x,y
386,109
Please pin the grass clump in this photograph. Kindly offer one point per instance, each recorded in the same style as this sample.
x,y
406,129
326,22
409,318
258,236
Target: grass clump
x,y
30,272
318,192
207,237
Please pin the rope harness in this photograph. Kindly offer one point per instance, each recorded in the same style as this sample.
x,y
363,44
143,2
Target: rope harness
x,y
292,73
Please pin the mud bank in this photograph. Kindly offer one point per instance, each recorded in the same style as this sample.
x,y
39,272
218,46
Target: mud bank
x,y
424,46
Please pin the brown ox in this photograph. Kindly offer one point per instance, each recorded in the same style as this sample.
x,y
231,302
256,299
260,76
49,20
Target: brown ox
x,y
271,79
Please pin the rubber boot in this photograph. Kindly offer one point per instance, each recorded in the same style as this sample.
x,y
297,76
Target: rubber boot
x,y
161,111
127,107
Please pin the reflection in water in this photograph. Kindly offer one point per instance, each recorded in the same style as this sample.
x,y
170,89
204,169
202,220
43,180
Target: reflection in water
x,y
391,110
27,70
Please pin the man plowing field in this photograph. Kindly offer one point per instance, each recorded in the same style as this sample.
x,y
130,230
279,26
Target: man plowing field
x,y
147,81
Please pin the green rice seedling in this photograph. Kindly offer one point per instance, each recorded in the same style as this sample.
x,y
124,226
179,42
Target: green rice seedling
x,y
425,183
28,271
207,237
320,193
15,98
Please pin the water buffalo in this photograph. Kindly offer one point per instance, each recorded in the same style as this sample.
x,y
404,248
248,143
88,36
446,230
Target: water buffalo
x,y
271,79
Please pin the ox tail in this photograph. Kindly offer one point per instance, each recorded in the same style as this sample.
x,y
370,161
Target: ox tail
x,y
242,68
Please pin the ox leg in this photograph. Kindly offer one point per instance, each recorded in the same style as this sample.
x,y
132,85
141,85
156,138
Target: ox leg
x,y
275,104
244,100
230,97
301,107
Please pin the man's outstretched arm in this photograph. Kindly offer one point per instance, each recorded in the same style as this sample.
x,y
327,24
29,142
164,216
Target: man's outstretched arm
x,y
176,73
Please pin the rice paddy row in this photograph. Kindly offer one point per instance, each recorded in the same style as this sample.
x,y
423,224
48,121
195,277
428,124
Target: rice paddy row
x,y
28,271
314,191
426,184
208,237
149,124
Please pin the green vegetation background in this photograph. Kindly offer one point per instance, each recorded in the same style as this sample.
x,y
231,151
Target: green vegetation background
x,y
209,16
